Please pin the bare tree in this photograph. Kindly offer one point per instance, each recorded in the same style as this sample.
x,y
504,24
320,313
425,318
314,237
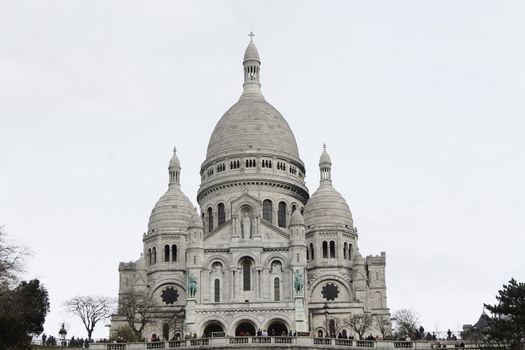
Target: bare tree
x,y
407,322
383,325
11,260
91,310
138,310
360,323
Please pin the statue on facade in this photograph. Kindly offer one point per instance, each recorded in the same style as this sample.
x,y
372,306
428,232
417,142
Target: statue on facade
x,y
298,281
192,285
246,223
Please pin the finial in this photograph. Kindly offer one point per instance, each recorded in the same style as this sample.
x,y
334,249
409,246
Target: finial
x,y
324,146
174,150
251,35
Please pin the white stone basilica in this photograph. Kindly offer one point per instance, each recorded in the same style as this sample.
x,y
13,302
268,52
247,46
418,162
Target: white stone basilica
x,y
263,253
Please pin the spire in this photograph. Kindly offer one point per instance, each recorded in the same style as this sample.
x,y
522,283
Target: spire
x,y
174,169
325,166
252,68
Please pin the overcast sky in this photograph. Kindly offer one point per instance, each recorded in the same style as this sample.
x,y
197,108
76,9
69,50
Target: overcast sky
x,y
421,104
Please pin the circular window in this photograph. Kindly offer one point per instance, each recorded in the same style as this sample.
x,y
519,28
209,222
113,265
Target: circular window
x,y
170,295
330,291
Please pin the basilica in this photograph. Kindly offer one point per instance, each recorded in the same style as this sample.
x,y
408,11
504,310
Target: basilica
x,y
260,255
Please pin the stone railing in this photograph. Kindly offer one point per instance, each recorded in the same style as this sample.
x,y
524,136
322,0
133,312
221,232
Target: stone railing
x,y
266,342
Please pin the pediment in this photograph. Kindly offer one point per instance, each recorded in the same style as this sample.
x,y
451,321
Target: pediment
x,y
220,235
273,233
245,200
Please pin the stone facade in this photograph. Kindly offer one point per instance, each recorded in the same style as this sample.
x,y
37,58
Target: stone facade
x,y
262,254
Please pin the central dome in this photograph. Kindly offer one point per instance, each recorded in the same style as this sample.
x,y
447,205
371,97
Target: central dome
x,y
252,125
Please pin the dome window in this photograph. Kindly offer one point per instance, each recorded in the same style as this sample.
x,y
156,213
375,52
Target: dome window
x,y
312,251
251,163
166,253
210,220
235,164
266,163
293,170
267,210
281,166
325,250
174,253
281,215
220,168
332,249
221,214
350,252
154,255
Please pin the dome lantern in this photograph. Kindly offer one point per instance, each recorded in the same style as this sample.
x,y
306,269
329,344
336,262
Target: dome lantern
x,y
174,169
252,69
325,166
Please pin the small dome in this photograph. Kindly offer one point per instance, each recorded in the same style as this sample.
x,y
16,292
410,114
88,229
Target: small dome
x,y
297,218
195,220
174,162
325,158
327,207
251,53
172,212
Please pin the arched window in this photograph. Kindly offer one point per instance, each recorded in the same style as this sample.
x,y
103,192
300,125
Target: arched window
x,y
308,254
174,252
281,217
217,286
332,249
350,252
293,208
222,214
150,257
276,290
325,250
312,251
344,250
246,274
210,220
166,253
267,210
154,255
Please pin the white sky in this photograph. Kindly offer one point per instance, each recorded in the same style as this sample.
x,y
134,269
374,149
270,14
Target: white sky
x,y
421,104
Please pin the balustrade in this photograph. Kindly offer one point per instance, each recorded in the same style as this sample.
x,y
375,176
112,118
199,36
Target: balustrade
x,y
403,344
364,343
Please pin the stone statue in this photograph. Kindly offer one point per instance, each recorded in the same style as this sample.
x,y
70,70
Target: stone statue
x,y
246,224
192,285
298,281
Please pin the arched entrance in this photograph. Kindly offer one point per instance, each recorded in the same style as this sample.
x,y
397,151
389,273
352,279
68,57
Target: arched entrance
x,y
213,329
277,328
245,328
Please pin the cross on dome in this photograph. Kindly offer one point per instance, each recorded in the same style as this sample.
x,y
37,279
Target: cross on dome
x,y
251,35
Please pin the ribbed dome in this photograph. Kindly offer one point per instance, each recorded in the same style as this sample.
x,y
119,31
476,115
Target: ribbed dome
x,y
296,219
327,207
325,158
251,53
172,212
195,221
252,124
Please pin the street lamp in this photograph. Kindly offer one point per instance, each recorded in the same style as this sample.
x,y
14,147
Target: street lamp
x,y
326,317
62,333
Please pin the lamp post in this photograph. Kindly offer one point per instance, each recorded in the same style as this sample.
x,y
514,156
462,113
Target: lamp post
x,y
62,334
326,317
